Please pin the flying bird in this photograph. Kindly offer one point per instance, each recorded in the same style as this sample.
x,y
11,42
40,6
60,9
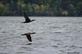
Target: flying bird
x,y
28,35
27,19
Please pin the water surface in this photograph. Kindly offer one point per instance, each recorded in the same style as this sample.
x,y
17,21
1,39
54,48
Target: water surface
x,y
54,35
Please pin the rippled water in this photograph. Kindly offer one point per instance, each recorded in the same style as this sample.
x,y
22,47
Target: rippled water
x,y
54,35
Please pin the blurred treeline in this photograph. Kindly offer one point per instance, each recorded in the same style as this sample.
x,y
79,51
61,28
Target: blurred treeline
x,y
41,7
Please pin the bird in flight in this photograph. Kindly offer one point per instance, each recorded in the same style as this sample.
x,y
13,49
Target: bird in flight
x,y
27,19
28,35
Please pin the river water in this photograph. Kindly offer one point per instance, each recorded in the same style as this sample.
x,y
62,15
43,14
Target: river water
x,y
54,35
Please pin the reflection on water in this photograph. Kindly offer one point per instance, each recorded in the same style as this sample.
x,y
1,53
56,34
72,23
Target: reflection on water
x,y
53,35
29,44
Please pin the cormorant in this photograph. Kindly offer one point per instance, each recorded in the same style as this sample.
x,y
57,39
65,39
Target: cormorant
x,y
27,19
28,35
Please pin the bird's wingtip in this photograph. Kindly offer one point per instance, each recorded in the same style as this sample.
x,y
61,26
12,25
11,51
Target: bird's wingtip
x,y
33,33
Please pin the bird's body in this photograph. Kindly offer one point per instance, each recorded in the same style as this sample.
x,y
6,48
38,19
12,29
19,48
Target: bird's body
x,y
27,19
28,35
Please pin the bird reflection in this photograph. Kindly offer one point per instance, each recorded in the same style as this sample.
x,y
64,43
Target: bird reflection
x,y
29,44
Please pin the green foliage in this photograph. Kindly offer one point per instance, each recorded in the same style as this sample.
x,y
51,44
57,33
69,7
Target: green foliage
x,y
3,9
42,7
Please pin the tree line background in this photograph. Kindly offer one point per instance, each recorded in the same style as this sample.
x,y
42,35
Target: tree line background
x,y
41,7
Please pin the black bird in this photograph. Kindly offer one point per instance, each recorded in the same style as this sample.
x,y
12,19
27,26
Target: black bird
x,y
27,19
28,35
